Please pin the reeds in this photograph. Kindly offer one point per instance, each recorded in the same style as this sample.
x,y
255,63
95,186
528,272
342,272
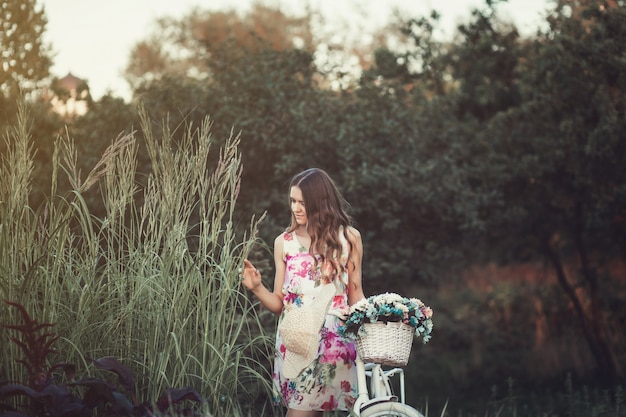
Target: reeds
x,y
154,282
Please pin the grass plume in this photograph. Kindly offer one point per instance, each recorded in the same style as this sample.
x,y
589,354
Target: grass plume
x,y
153,282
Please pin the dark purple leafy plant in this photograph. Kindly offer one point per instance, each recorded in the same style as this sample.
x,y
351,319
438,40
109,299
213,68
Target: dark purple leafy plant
x,y
48,396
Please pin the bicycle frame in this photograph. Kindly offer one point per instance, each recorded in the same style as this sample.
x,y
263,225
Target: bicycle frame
x,y
379,387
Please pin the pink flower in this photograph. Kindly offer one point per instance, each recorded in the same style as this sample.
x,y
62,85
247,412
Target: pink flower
x,y
345,386
349,401
331,404
305,266
340,304
328,338
291,297
287,236
336,350
349,353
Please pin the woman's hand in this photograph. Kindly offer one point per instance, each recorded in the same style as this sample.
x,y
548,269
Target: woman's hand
x,y
251,279
250,276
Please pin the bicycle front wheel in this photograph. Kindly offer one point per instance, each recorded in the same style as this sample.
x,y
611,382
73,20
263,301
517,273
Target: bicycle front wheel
x,y
390,409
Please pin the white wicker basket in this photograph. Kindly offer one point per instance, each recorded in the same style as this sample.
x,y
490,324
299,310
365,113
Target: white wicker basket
x,y
386,343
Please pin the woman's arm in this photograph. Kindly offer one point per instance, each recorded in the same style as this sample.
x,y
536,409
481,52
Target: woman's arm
x,y
272,300
355,289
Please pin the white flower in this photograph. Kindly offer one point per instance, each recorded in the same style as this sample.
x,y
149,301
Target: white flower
x,y
360,305
391,307
372,313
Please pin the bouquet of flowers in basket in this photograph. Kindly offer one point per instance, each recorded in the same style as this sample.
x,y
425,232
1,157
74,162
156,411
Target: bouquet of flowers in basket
x,y
390,307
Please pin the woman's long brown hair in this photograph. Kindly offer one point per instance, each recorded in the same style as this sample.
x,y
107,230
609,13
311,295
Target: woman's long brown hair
x,y
326,215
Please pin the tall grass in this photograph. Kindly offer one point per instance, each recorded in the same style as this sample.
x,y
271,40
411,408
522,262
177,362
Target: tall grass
x,y
154,282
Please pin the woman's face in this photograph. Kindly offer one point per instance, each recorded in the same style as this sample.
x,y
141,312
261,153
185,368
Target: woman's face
x,y
297,205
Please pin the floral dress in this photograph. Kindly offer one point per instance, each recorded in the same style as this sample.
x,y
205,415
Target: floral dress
x,y
329,382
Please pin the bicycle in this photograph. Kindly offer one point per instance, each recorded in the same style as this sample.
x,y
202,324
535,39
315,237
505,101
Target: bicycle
x,y
379,400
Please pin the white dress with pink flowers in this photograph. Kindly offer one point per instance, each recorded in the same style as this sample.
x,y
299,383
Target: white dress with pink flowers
x,y
329,382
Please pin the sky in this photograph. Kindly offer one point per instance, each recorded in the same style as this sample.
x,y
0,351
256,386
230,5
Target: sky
x,y
92,39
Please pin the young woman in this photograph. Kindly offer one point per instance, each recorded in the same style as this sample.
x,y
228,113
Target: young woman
x,y
320,247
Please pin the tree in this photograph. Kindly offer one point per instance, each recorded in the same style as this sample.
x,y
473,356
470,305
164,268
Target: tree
x,y
563,193
187,47
486,64
25,58
525,152
412,162
24,65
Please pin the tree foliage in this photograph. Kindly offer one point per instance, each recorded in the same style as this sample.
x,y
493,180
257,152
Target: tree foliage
x,y
188,46
542,155
25,57
428,128
565,146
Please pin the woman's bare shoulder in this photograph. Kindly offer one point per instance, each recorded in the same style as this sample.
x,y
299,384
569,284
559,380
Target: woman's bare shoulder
x,y
280,239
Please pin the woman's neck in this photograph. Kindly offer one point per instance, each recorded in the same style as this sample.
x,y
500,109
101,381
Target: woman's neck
x,y
302,231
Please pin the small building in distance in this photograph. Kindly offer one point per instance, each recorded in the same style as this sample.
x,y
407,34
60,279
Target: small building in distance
x,y
70,96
